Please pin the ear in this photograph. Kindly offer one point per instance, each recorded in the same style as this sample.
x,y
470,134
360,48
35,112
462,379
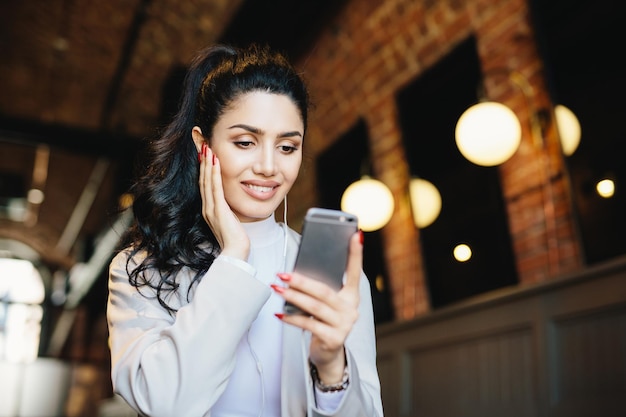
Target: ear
x,y
198,139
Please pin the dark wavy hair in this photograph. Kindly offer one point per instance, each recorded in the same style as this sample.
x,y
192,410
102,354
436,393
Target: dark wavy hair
x,y
169,227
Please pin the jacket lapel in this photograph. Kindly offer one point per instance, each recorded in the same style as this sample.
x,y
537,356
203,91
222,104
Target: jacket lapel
x,y
295,378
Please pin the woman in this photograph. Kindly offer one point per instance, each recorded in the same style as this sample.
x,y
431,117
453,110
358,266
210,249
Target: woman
x,y
195,300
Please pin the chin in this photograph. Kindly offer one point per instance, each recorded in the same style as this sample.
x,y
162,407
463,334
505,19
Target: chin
x,y
250,211
254,216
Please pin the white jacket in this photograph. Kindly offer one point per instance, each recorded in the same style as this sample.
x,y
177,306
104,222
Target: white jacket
x,y
179,365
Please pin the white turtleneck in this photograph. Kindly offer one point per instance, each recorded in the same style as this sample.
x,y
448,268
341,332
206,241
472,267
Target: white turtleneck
x,y
254,386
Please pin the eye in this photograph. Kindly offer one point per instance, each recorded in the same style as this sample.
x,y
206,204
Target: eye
x,y
288,148
243,143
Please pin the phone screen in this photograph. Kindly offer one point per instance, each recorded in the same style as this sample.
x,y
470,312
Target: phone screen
x,y
324,246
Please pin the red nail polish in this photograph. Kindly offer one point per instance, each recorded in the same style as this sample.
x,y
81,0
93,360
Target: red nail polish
x,y
279,315
199,157
361,237
284,277
277,288
213,159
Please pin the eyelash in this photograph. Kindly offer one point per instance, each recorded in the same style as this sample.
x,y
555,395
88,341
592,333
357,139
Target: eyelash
x,y
288,148
243,143
284,148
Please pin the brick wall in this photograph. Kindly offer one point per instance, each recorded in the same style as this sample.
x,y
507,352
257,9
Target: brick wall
x,y
373,49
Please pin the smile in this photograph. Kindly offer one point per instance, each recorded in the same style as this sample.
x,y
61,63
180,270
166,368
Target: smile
x,y
259,188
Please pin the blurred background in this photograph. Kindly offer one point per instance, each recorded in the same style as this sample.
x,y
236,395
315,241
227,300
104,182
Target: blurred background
x,y
499,280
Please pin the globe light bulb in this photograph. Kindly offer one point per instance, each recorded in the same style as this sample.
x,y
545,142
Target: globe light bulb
x,y
371,201
425,202
569,129
488,133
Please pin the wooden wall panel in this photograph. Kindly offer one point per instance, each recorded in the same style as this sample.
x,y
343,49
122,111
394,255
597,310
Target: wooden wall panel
x,y
589,358
555,349
488,375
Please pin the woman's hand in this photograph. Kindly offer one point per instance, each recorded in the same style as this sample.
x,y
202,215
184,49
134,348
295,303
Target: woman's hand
x,y
333,313
226,227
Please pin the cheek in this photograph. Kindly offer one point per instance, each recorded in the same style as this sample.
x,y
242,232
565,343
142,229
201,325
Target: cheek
x,y
229,175
230,186
229,171
230,165
293,170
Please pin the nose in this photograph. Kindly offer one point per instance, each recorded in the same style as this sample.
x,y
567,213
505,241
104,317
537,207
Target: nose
x,y
266,162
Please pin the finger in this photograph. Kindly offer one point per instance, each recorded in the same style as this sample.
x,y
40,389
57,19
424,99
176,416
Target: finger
x,y
309,291
321,301
214,193
327,310
221,210
355,261
330,338
216,181
203,181
201,174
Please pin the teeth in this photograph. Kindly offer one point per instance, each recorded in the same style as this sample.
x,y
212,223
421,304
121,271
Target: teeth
x,y
259,188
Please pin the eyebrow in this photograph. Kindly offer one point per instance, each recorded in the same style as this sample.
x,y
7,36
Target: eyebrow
x,y
258,131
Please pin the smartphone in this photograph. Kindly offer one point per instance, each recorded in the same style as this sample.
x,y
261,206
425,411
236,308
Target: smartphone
x,y
323,251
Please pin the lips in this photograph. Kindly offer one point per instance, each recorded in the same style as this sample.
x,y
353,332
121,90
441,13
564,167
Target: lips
x,y
260,191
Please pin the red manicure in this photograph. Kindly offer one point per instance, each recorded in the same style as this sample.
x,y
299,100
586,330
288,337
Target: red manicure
x,y
277,288
213,159
284,277
279,315
361,237
199,157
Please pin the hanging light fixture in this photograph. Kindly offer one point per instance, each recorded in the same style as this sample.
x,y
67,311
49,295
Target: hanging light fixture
x,y
425,202
569,129
462,252
371,201
488,133
605,188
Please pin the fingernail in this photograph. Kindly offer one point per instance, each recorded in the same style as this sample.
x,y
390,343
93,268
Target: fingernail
x,y
205,150
213,159
361,237
284,277
277,288
199,157
279,315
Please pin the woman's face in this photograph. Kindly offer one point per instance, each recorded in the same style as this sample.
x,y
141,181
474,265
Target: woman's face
x,y
258,141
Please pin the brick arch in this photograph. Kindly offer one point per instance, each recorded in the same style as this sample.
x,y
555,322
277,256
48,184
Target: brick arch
x,y
41,243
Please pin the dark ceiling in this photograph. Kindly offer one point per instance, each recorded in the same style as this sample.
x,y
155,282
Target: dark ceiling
x,y
88,75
